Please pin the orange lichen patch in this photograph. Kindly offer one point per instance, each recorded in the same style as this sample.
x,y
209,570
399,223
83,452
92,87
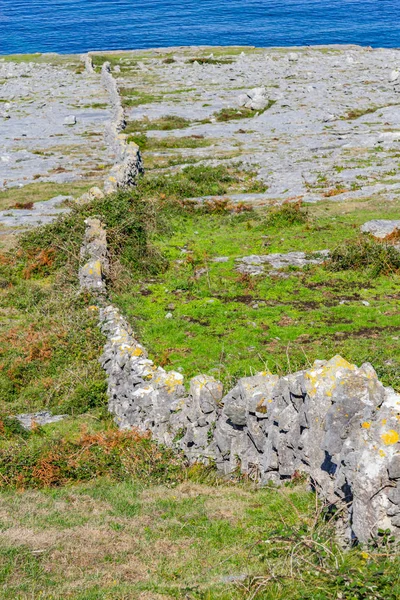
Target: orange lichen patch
x,y
365,425
390,437
261,408
317,375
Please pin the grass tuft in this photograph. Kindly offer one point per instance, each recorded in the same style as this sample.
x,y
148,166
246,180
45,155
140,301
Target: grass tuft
x,y
232,114
290,213
166,123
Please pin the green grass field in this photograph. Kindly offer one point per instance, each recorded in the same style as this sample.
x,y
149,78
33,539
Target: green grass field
x,y
91,513
231,325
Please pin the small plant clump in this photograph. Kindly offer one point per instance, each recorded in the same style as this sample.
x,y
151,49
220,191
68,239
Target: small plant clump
x,y
290,213
232,114
210,60
166,143
366,253
356,113
166,123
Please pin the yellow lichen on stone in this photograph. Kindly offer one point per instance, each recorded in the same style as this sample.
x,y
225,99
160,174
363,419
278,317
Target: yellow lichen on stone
x,y
316,375
172,381
97,267
365,425
137,352
382,453
390,437
111,178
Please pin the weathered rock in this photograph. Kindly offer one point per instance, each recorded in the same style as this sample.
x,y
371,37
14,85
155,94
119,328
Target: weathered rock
x,y
255,99
94,253
255,264
381,228
44,417
70,120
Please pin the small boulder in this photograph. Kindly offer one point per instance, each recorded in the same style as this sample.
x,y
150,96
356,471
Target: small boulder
x,y
70,120
95,192
255,99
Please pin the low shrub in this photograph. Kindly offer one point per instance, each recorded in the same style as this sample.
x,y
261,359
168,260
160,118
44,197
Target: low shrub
x,y
11,427
43,462
365,253
129,219
290,213
232,114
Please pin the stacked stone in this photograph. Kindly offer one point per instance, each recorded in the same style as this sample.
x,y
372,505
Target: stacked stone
x,y
334,422
129,161
94,258
87,61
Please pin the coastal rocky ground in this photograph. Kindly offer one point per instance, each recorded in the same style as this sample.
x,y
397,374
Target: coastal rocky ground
x,y
332,129
326,126
312,124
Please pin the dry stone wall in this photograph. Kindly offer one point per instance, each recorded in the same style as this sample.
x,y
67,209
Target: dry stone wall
x,y
129,162
334,422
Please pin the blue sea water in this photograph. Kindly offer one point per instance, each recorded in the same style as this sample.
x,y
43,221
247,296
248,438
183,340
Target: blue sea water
x,y
71,26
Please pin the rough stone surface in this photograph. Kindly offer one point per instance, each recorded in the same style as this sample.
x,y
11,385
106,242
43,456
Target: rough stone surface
x,y
40,214
255,99
129,162
37,101
94,257
255,264
381,228
334,106
44,417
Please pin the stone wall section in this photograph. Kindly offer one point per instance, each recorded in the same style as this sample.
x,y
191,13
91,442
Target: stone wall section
x,y
88,63
334,422
129,162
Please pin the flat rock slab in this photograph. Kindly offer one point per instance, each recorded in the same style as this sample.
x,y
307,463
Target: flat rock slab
x,y
255,264
44,417
40,214
381,228
52,122
333,107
